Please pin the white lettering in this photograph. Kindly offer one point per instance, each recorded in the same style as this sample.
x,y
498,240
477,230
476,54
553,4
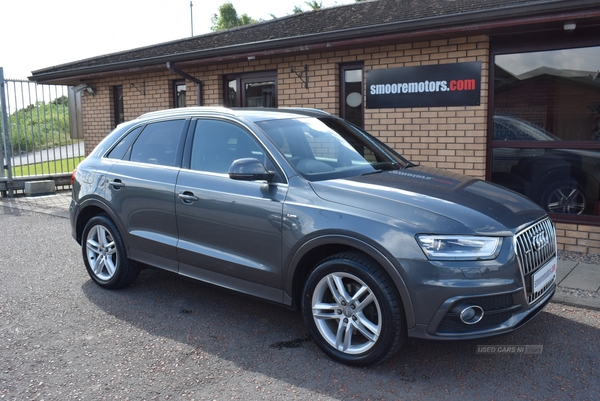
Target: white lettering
x,y
424,86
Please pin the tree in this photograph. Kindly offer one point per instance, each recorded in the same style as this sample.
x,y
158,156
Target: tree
x,y
314,4
228,18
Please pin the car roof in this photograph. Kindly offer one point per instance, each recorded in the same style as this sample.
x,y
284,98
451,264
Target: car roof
x,y
252,114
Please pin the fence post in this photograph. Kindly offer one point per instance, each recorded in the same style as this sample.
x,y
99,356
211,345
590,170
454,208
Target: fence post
x,y
5,145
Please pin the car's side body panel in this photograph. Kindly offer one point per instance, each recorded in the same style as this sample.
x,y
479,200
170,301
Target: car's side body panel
x,y
231,227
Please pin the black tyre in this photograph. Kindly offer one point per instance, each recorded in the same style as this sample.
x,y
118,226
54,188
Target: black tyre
x,y
353,311
104,254
564,197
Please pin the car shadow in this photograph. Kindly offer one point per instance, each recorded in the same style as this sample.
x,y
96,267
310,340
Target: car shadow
x,y
271,340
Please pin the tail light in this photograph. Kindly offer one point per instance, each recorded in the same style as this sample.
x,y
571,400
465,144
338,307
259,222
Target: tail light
x,y
73,176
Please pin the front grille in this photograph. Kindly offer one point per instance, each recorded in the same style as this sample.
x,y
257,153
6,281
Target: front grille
x,y
535,246
491,303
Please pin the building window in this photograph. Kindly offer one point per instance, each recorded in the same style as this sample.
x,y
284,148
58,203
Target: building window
x,y
179,91
545,128
251,90
119,111
351,93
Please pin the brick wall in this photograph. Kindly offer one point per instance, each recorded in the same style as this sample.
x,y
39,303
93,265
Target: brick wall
x,y
578,238
141,94
446,137
452,138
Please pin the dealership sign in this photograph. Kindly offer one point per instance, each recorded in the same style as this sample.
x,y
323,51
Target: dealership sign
x,y
425,86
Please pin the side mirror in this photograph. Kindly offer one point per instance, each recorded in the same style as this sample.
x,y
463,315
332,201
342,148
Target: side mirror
x,y
249,169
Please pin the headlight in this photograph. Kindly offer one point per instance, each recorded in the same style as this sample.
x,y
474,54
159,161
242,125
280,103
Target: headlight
x,y
459,247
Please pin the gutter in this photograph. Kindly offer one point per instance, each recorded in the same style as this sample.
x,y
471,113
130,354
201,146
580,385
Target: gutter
x,y
454,23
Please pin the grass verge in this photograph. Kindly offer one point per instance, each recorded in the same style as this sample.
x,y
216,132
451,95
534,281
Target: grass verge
x,y
51,167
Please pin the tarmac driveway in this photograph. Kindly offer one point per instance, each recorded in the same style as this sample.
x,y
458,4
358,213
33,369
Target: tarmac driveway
x,y
64,338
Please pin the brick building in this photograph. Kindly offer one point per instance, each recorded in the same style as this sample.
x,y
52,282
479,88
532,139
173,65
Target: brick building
x,y
531,123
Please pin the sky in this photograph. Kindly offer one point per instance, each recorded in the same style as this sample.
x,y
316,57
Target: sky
x,y
37,34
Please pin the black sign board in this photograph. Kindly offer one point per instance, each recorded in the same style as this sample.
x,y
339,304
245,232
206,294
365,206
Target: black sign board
x,y
456,84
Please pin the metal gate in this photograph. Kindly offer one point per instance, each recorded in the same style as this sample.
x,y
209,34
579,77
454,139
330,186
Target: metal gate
x,y
41,136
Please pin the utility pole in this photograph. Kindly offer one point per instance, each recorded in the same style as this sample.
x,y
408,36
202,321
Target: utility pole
x,y
192,17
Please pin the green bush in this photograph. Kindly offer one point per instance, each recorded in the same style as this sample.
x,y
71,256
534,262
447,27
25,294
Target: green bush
x,y
40,126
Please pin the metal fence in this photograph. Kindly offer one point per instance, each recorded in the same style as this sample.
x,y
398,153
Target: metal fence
x,y
41,137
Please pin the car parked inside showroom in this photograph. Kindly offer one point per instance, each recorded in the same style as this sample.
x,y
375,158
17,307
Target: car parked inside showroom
x,y
303,209
559,180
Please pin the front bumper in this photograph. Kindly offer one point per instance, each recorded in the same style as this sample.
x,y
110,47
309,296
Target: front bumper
x,y
502,313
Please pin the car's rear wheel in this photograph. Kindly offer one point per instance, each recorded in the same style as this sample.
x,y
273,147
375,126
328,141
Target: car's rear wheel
x,y
353,311
104,254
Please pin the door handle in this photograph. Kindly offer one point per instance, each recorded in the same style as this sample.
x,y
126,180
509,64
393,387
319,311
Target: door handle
x,y
188,197
116,184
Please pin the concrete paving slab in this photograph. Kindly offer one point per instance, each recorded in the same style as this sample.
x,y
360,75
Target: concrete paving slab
x,y
564,268
584,276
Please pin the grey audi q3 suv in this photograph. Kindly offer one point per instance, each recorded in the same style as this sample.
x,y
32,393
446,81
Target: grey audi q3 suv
x,y
301,208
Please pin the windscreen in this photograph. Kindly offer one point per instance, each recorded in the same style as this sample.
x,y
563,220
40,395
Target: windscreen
x,y
329,148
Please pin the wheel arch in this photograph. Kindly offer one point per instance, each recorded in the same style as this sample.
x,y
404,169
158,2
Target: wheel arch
x,y
316,249
89,209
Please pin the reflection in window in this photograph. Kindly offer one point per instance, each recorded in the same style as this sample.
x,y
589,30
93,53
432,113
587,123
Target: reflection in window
x,y
351,102
118,107
559,180
558,91
251,90
231,96
179,92
260,94
552,99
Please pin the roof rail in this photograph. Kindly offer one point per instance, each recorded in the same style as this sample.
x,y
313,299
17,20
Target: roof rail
x,y
185,110
305,109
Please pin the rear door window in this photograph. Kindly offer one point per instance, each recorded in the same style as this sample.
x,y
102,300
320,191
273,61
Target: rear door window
x,y
158,143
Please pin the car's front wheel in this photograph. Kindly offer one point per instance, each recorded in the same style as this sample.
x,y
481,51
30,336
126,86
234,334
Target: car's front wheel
x,y
104,254
353,311
564,197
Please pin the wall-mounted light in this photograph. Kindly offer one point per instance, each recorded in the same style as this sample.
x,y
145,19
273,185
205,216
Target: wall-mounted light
x,y
251,58
569,26
84,87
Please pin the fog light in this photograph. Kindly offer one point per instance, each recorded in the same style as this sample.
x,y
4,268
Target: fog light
x,y
468,314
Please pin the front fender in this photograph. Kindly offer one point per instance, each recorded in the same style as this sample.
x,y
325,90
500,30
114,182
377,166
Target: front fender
x,y
297,269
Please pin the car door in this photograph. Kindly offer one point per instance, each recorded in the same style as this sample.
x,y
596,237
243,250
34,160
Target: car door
x,y
142,189
229,230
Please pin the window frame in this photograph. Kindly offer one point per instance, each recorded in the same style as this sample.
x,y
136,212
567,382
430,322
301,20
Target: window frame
x,y
515,43
342,82
241,81
175,93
